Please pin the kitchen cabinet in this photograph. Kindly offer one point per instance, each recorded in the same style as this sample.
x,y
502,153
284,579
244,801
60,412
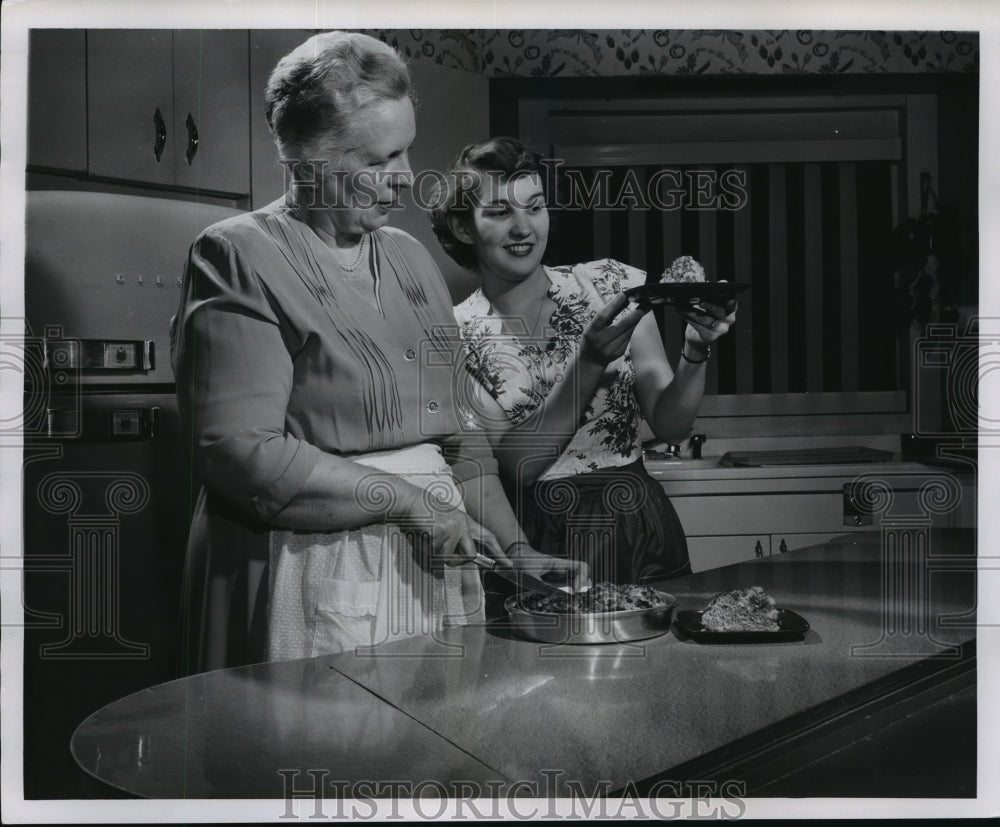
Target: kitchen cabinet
x,y
711,552
183,111
130,106
212,110
729,524
170,107
267,47
727,512
57,99
452,110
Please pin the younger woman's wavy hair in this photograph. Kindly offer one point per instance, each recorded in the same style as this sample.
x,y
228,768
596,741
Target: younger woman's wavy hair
x,y
455,195
315,91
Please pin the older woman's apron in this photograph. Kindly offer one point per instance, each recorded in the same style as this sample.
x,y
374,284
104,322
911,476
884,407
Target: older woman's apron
x,y
340,591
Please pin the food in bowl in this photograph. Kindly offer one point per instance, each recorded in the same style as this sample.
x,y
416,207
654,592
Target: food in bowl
x,y
604,597
748,609
684,270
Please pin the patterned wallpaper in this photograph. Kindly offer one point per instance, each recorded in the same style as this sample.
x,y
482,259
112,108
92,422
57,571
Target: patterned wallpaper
x,y
576,53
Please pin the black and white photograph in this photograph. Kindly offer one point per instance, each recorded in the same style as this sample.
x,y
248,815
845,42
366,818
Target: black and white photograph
x,y
497,414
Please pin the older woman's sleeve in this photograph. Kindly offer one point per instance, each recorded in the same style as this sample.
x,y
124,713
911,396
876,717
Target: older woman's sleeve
x,y
234,376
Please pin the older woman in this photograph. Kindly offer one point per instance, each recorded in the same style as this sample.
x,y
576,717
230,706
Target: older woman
x,y
329,452
568,372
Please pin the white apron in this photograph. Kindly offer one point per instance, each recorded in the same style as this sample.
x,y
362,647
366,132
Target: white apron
x,y
339,591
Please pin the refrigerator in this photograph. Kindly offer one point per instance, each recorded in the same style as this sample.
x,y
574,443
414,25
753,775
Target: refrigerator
x,y
107,488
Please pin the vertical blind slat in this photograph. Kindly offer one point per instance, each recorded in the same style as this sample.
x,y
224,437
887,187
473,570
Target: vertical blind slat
x,y
778,254
602,234
707,254
898,200
743,332
671,223
813,232
816,211
847,175
637,225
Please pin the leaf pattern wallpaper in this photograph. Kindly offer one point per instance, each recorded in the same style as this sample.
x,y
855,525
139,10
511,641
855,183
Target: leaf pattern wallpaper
x,y
580,53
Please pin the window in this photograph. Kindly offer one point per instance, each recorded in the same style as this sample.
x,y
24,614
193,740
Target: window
x,y
797,194
812,240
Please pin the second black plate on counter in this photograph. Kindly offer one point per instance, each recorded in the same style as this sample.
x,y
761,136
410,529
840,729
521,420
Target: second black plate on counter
x,y
791,626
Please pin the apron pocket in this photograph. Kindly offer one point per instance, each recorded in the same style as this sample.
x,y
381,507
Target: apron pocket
x,y
345,615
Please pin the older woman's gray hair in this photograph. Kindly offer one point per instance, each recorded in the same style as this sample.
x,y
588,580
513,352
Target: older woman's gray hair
x,y
316,90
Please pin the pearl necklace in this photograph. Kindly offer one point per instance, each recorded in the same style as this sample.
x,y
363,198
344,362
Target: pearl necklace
x,y
362,247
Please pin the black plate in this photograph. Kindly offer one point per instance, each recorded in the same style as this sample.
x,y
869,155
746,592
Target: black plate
x,y
791,626
714,292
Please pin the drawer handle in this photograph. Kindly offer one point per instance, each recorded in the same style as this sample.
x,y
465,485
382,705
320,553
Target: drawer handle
x,y
161,134
98,354
128,425
192,147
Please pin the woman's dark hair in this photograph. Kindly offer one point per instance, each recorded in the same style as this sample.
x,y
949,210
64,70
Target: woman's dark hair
x,y
316,90
455,195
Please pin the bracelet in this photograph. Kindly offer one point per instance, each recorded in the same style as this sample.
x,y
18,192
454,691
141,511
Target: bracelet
x,y
686,358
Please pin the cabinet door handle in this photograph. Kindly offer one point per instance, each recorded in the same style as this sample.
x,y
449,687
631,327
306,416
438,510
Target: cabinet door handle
x,y
192,147
161,134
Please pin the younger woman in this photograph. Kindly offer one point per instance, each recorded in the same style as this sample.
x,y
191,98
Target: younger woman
x,y
566,372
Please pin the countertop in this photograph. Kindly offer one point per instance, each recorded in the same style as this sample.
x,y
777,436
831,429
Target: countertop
x,y
481,706
709,468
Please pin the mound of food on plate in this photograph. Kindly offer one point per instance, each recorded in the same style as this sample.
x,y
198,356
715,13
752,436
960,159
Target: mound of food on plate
x,y
604,597
684,269
749,609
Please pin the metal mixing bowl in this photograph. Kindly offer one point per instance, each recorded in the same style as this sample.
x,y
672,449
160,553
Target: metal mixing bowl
x,y
591,627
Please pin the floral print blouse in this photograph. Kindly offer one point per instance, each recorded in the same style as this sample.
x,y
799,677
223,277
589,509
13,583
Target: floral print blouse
x,y
519,373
